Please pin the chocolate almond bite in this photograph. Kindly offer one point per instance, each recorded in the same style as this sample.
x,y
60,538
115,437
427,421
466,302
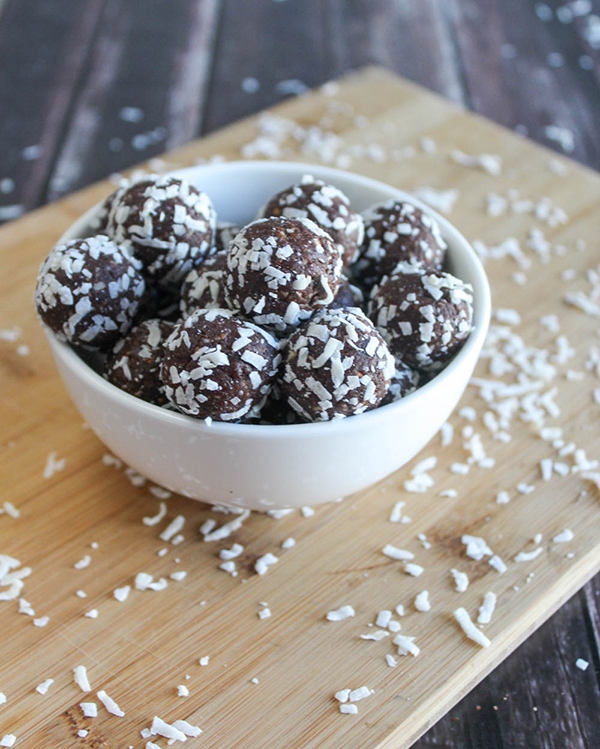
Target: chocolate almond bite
x,y
280,271
224,234
395,232
134,363
424,315
404,381
202,288
218,366
327,206
88,292
336,365
348,295
167,223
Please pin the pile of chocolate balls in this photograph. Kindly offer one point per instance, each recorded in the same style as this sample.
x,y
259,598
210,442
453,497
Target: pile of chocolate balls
x,y
311,312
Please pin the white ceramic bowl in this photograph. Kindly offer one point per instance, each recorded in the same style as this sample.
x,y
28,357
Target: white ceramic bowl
x,y
268,467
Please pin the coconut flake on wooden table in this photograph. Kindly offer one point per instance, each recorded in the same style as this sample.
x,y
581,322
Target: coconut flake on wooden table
x,y
487,608
204,660
376,636
397,554
110,704
232,553
44,686
9,509
581,664
155,519
307,512
160,492
340,614
89,709
490,163
160,727
41,622
462,617
53,465
144,581
178,575
349,709
528,556
288,543
563,536
264,613
477,548
406,645
8,739
186,728
422,602
121,593
81,678
440,200
461,580
413,569
263,563
226,529
182,691
173,528
230,567
83,562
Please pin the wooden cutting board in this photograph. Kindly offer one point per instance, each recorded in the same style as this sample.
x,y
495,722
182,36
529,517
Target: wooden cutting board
x,y
140,650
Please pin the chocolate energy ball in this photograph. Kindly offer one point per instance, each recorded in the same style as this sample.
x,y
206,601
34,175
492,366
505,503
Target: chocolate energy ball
x,y
336,365
224,234
161,302
395,232
424,315
88,291
202,288
348,296
404,381
134,363
167,224
281,270
219,366
327,206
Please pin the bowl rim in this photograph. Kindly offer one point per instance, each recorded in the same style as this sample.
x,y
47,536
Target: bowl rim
x,y
481,319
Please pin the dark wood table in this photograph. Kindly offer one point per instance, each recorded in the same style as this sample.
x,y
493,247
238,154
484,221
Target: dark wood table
x,y
70,69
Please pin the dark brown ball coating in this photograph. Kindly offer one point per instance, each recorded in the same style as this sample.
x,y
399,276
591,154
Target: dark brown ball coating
x,y
134,363
99,223
404,381
224,234
88,291
167,223
280,271
202,288
424,315
397,231
348,296
219,366
327,206
161,302
336,365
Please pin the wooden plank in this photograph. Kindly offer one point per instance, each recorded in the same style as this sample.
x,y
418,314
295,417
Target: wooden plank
x,y
48,68
138,653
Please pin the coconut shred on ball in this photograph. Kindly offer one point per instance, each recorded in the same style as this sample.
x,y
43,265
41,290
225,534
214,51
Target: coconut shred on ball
x,y
281,270
134,363
424,315
336,365
218,366
88,292
202,288
397,231
327,206
167,223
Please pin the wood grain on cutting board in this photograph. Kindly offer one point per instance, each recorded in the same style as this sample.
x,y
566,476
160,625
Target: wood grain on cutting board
x,y
140,650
